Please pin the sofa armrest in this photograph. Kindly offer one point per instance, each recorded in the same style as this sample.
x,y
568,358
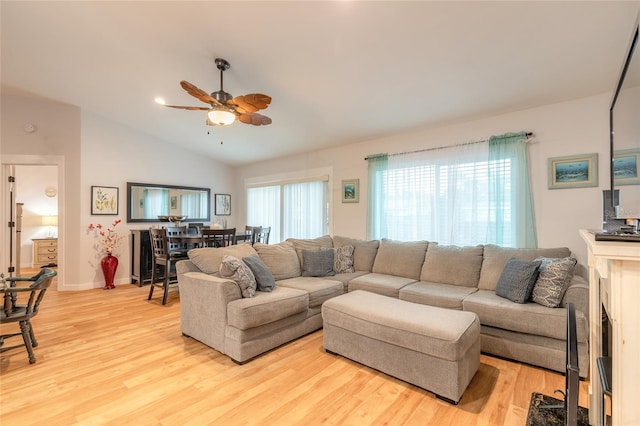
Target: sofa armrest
x,y
578,294
203,305
183,266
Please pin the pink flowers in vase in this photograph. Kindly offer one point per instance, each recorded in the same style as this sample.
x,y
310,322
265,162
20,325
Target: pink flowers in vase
x,y
108,238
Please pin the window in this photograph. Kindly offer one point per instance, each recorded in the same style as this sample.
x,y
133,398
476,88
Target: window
x,y
464,195
293,210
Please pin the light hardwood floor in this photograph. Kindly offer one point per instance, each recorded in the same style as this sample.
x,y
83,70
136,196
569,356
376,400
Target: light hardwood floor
x,y
112,357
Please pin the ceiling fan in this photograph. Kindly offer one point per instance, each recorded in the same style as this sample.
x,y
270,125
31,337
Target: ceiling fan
x,y
225,109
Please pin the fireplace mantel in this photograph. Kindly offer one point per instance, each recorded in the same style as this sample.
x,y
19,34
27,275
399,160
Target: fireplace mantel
x,y
614,282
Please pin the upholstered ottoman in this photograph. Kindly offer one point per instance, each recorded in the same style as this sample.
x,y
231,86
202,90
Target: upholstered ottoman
x,y
435,348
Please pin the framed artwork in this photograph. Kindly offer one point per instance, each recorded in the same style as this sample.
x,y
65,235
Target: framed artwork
x,y
625,166
351,191
104,200
174,202
575,171
223,205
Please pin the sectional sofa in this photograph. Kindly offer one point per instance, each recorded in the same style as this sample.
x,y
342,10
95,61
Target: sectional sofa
x,y
214,311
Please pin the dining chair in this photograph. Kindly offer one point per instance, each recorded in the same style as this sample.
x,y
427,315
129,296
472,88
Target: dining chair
x,y
260,234
177,247
219,237
15,311
194,228
165,254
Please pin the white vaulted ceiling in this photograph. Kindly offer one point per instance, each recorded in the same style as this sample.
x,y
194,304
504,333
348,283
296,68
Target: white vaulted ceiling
x,y
338,71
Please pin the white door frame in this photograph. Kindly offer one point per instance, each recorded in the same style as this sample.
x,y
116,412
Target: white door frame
x,y
33,160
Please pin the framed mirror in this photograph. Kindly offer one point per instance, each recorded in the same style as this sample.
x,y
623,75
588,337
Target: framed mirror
x,y
147,201
624,120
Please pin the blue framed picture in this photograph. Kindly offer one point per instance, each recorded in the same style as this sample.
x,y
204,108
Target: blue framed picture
x,y
351,191
575,171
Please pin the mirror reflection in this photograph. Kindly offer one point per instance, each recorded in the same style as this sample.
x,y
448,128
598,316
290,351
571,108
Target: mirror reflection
x,y
145,202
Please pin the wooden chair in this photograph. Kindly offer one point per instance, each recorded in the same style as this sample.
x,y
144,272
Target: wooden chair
x,y
219,237
194,228
261,235
165,254
13,311
177,248
258,234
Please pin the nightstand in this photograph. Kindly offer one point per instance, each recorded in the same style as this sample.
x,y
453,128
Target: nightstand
x,y
45,252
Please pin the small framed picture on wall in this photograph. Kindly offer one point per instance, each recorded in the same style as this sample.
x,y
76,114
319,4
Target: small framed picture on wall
x,y
351,191
223,205
575,171
104,200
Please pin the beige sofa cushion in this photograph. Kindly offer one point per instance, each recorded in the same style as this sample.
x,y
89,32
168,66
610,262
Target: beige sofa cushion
x,y
281,259
265,308
452,265
495,258
364,252
436,294
400,258
386,285
320,289
208,259
527,318
314,244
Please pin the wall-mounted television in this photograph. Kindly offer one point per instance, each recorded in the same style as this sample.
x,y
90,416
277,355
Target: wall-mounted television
x,y
624,122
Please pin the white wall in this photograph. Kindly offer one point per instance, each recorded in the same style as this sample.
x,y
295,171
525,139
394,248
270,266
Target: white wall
x,y
568,128
113,155
97,151
56,142
90,150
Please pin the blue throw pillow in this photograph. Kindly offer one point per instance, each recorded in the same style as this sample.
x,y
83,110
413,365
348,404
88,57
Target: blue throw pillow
x,y
264,277
317,263
517,280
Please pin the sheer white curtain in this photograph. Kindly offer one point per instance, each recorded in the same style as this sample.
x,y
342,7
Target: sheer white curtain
x,y
464,195
293,210
263,209
305,210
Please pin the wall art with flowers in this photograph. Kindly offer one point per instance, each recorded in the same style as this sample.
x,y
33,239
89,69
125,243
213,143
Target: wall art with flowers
x,y
104,200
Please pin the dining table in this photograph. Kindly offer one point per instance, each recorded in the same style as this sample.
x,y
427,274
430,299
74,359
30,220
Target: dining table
x,y
189,240
240,238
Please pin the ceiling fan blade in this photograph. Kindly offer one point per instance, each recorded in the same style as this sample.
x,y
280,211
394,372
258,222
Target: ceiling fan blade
x,y
251,103
254,119
199,93
190,108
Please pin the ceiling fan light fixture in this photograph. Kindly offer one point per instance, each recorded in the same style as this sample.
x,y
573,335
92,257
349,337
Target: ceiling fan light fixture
x,y
221,117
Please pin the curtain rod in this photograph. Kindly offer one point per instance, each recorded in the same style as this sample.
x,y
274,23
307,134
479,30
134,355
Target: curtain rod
x,y
527,134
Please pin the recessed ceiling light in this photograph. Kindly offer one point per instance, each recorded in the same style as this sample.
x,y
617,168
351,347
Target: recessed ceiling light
x,y
160,101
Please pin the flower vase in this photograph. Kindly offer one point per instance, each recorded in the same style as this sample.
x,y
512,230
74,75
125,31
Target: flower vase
x,y
109,266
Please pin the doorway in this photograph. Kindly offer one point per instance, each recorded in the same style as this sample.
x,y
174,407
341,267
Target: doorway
x,y
38,186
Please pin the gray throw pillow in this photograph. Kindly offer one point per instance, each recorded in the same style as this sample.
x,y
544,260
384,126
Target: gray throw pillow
x,y
234,268
517,279
317,263
264,277
555,276
343,259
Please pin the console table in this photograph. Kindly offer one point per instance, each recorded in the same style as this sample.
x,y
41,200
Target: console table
x,y
614,284
140,256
